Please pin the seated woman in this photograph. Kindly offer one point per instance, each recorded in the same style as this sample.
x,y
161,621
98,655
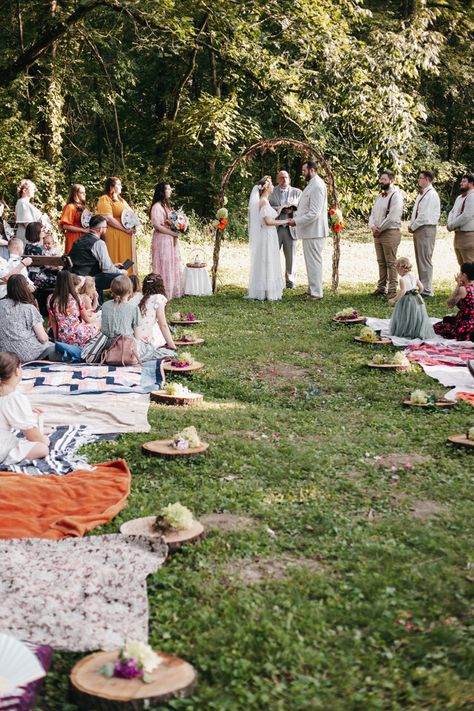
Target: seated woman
x,y
460,326
22,330
16,413
122,318
69,319
152,308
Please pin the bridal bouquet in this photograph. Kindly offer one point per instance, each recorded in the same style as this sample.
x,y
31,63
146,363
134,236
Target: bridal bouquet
x,y
179,221
336,219
136,659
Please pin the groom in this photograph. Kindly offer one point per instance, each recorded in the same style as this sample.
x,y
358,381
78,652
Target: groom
x,y
311,221
285,198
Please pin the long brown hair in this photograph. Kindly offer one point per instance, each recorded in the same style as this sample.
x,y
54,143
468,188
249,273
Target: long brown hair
x,y
72,198
18,290
9,362
64,288
159,196
152,284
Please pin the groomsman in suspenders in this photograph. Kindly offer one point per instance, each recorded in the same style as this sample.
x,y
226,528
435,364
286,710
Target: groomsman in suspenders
x,y
385,221
424,219
461,221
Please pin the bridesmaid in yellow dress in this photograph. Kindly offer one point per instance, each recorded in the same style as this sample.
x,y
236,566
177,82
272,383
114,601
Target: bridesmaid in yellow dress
x,y
120,242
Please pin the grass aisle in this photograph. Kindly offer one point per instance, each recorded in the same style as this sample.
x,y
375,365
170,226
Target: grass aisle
x,y
365,592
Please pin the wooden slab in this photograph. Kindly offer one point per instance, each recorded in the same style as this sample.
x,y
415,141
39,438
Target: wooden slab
x,y
438,403
173,539
389,366
165,399
360,319
379,342
164,448
173,678
187,369
193,265
195,342
186,323
462,440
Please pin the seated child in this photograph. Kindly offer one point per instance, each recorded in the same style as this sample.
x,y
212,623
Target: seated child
x,y
49,247
136,296
409,318
16,413
90,297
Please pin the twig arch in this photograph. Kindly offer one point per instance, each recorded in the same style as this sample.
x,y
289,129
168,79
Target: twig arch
x,y
270,146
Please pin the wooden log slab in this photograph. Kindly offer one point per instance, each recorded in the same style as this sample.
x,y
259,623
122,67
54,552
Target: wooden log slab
x,y
164,398
439,403
164,448
379,342
462,440
187,369
359,319
94,692
174,539
194,342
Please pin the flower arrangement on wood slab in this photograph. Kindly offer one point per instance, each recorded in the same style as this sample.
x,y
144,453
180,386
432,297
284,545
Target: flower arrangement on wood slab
x,y
186,335
347,314
183,360
186,439
177,390
470,433
174,517
396,359
179,316
136,659
368,335
420,397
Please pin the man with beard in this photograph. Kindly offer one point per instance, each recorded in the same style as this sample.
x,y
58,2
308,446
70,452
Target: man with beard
x,y
424,218
461,221
285,199
385,221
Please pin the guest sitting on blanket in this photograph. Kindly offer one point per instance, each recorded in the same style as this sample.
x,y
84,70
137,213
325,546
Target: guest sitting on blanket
x,y
409,318
122,318
68,316
22,330
460,326
136,296
16,413
152,309
89,295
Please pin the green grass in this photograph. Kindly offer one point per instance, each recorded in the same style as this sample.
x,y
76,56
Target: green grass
x,y
315,640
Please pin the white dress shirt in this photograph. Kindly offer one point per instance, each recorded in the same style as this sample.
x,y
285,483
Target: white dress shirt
x,y
387,211
461,217
426,210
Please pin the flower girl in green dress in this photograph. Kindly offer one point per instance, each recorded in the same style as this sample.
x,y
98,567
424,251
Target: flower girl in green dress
x,y
410,318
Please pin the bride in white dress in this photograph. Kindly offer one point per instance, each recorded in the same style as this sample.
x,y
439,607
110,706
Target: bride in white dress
x,y
265,281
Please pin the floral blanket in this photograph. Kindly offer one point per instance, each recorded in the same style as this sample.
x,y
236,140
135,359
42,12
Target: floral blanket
x,y
78,594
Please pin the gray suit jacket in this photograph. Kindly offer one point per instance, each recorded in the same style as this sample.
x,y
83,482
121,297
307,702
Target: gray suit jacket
x,y
277,200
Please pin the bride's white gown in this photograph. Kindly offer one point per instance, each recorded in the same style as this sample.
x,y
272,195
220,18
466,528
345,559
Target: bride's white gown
x,y
265,280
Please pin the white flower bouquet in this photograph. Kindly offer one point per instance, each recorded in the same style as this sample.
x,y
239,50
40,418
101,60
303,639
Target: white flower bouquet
x,y
186,439
347,314
174,516
368,335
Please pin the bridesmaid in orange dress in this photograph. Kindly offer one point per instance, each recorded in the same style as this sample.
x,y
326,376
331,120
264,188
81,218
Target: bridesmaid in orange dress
x,y
71,215
120,242
165,255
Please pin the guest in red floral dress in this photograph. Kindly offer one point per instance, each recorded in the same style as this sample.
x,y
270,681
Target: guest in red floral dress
x,y
165,256
460,326
69,319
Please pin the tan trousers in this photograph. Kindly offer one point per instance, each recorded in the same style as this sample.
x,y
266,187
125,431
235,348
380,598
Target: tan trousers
x,y
424,239
386,245
464,246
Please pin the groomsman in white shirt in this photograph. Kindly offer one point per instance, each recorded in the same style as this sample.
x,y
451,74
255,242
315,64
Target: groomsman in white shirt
x,y
461,221
385,221
424,219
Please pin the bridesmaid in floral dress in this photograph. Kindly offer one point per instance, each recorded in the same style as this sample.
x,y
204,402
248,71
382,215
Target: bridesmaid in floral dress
x,y
165,256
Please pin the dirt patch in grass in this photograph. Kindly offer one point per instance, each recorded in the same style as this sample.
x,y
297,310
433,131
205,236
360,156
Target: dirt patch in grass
x,y
281,373
424,509
399,461
226,522
260,570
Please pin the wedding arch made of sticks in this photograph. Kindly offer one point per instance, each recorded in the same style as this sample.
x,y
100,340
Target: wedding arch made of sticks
x,y
272,145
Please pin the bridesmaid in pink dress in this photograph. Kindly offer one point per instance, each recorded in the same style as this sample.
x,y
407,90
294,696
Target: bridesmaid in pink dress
x,y
165,257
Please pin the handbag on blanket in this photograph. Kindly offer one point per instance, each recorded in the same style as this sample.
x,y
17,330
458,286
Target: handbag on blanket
x,y
94,349
122,351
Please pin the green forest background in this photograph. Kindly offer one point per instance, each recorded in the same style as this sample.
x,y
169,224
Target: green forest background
x,y
145,90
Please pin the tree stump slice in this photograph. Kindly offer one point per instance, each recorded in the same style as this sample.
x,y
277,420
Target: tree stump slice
x,y
164,448
195,342
187,323
359,319
174,539
439,403
190,399
187,369
379,342
94,692
389,366
461,440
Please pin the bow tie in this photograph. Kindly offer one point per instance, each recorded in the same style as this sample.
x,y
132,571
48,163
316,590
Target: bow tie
x,y
384,193
420,191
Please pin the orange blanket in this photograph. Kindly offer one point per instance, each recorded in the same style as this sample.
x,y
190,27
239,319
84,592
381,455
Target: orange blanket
x,y
62,507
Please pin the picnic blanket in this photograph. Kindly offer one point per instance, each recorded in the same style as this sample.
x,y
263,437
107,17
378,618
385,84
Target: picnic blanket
x,y
457,353
61,507
102,413
62,458
78,595
23,698
78,378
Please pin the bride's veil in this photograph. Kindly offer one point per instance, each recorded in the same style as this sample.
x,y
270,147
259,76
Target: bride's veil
x,y
254,217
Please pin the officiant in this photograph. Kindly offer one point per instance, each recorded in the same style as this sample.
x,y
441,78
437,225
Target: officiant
x,y
284,199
